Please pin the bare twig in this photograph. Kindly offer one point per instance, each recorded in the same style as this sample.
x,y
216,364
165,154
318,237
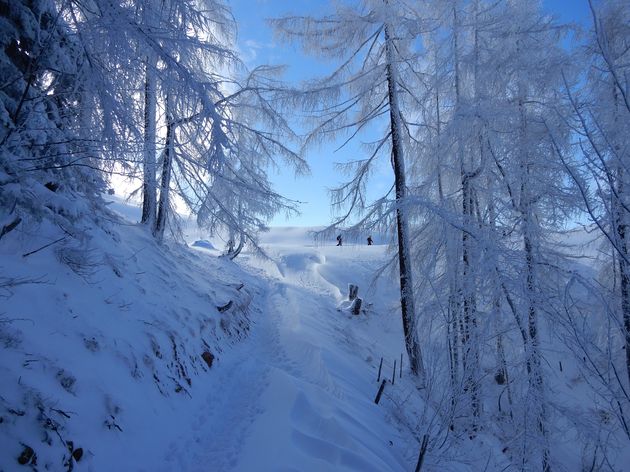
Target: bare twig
x,y
44,247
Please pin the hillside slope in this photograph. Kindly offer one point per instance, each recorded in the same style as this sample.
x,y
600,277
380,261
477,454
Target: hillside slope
x,y
110,342
121,354
139,357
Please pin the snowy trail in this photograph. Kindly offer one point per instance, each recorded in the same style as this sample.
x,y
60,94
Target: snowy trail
x,y
299,394
313,387
223,417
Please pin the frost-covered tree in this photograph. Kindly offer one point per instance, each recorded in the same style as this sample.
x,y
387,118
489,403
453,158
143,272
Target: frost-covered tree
x,y
182,43
489,192
142,52
371,44
225,126
539,201
48,166
238,198
598,165
604,120
221,163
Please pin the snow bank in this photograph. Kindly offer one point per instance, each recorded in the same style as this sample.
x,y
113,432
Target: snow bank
x,y
108,344
204,244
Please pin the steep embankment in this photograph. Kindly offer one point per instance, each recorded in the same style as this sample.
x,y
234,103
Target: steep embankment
x,y
109,345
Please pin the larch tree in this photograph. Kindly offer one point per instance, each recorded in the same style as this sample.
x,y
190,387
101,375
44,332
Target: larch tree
x,y
99,74
49,167
371,44
249,135
604,123
491,191
599,102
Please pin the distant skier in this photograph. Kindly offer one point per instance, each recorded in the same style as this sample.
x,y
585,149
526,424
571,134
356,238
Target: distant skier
x,y
370,242
339,240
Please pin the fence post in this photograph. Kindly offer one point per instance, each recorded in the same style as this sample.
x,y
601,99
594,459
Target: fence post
x,y
380,391
353,291
394,373
356,306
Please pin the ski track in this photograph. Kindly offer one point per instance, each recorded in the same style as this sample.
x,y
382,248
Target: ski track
x,y
290,402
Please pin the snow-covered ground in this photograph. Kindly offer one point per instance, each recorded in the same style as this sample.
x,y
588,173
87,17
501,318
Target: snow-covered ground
x,y
306,380
172,358
103,345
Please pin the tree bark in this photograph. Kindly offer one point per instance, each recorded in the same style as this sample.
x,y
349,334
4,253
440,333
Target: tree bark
x,y
469,339
533,359
237,250
402,224
149,185
468,318
165,184
624,271
534,366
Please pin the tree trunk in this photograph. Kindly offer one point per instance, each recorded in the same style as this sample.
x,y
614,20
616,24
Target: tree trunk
x,y
468,319
469,339
149,185
533,360
165,184
624,271
237,250
404,260
502,368
534,366
621,228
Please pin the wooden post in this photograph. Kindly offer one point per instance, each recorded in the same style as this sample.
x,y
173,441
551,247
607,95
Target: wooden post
x,y
401,365
423,450
380,391
394,373
356,306
353,291
380,366
560,362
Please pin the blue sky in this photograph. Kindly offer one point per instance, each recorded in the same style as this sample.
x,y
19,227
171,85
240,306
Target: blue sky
x,y
257,45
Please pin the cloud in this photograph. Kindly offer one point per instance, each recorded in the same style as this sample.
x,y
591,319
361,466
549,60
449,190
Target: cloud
x,y
250,49
251,43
